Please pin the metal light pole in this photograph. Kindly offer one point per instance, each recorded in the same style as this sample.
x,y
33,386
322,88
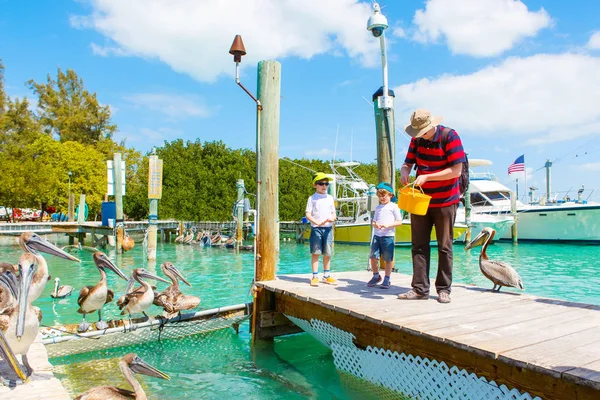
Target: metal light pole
x,y
71,206
384,107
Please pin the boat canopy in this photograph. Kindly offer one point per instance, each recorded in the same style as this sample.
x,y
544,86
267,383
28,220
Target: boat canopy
x,y
479,162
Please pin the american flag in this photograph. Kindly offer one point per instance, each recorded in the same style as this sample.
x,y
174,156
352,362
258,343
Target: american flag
x,y
518,165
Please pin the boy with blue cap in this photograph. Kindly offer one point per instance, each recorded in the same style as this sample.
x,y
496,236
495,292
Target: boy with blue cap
x,y
320,211
387,217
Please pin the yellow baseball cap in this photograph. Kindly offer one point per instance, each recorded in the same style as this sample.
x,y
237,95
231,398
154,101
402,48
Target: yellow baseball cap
x,y
320,176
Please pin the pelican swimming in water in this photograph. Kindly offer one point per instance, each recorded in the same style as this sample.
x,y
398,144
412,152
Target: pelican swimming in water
x,y
93,298
32,243
60,291
130,364
139,300
500,273
171,299
19,320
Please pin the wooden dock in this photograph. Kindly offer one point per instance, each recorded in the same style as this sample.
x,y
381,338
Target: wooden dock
x,y
43,385
548,348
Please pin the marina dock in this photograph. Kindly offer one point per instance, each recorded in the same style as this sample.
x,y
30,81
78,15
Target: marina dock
x,y
544,347
43,385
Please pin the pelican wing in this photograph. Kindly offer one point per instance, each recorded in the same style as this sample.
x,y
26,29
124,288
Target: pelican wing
x,y
106,392
501,273
4,320
110,295
83,294
38,312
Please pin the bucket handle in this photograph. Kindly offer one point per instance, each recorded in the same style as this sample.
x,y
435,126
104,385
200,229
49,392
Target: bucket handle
x,y
413,188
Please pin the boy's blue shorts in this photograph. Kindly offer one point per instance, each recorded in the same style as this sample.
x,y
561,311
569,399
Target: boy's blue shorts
x,y
321,240
384,246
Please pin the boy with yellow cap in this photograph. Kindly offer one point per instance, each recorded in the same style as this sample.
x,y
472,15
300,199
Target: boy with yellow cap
x,y
320,211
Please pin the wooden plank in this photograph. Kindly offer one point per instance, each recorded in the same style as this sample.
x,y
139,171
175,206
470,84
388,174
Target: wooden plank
x,y
587,372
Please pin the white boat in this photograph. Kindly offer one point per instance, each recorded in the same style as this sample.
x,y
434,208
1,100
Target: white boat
x,y
501,223
555,221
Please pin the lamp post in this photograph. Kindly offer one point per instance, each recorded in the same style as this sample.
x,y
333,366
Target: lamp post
x,y
384,107
70,173
71,206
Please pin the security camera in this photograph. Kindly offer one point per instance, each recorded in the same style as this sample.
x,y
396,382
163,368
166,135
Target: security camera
x,y
377,22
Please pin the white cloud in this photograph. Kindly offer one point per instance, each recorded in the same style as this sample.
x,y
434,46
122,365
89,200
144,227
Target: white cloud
x,y
480,28
594,42
172,105
399,32
540,99
592,166
194,37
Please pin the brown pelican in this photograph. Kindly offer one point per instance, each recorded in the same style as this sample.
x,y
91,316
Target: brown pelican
x,y
139,300
7,267
171,299
500,273
130,364
189,237
19,320
32,243
93,298
60,291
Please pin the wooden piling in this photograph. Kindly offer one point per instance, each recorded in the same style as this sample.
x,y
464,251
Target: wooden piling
x,y
81,213
154,194
239,211
71,212
269,92
386,143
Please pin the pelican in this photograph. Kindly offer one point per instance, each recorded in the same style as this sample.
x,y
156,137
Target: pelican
x,y
139,300
500,273
93,298
189,237
171,299
32,243
130,364
61,291
19,320
7,267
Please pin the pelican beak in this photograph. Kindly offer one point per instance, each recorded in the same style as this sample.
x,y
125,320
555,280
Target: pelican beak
x,y
37,244
106,263
139,366
150,275
478,241
178,274
8,355
27,267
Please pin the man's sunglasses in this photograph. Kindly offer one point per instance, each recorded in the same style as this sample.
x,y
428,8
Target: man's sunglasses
x,y
322,183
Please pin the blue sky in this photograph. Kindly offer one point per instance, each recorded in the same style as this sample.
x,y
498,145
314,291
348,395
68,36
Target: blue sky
x,y
511,77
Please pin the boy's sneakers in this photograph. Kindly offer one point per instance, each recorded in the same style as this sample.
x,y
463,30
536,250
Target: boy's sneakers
x,y
386,283
329,280
314,281
374,280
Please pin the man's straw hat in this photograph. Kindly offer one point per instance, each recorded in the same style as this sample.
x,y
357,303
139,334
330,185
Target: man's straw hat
x,y
420,122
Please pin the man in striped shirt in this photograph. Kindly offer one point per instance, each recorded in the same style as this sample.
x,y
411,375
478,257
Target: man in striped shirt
x,y
439,156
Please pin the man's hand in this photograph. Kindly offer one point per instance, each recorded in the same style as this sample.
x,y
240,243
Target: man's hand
x,y
421,179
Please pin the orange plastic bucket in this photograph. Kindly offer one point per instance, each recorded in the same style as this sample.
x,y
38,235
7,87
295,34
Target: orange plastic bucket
x,y
413,201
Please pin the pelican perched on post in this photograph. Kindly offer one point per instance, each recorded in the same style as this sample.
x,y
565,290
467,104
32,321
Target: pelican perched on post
x,y
130,364
171,299
189,237
139,300
93,298
60,291
19,320
32,243
500,273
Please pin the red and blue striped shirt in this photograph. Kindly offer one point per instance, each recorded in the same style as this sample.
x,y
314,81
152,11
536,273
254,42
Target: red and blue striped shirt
x,y
431,156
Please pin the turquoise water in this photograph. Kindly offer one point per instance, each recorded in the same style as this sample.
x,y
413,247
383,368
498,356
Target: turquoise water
x,y
223,364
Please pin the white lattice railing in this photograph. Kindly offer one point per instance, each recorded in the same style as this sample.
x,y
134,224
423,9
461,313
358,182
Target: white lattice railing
x,y
405,374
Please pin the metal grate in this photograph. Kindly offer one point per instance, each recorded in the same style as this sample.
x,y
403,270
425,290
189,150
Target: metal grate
x,y
403,373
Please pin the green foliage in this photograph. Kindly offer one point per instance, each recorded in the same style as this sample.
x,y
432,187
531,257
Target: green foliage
x,y
70,112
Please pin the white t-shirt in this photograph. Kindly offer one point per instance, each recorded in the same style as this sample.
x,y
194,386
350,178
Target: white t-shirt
x,y
387,214
321,207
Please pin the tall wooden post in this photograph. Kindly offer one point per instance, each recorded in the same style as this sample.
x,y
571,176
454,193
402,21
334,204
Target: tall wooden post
x,y
71,211
81,213
239,212
386,143
154,194
118,182
269,89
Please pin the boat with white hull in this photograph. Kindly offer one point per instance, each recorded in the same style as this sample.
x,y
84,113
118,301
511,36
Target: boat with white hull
x,y
557,221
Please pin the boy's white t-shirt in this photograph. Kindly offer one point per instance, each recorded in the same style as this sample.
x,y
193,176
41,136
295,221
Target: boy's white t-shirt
x,y
321,207
387,214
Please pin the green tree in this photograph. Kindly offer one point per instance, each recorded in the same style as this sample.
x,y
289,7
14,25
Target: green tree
x,y
69,111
